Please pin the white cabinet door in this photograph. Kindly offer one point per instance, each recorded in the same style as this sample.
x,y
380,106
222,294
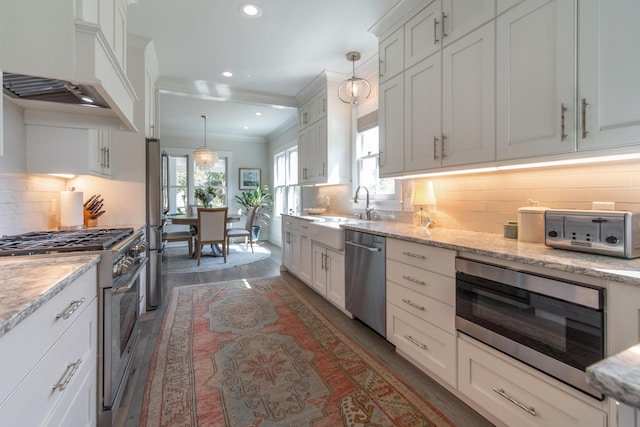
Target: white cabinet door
x,y
460,17
335,278
391,110
422,127
422,35
468,100
391,55
536,79
319,276
609,66
304,270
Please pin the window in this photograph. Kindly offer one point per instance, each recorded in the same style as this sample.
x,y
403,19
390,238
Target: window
x,y
183,182
214,180
367,150
286,188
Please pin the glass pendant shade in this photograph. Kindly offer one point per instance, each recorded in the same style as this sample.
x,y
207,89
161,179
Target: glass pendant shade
x,y
354,90
204,157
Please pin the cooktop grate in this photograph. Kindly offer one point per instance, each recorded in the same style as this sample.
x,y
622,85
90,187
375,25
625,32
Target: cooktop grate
x,y
43,242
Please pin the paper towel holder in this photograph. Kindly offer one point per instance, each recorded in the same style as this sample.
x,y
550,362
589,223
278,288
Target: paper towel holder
x,y
70,219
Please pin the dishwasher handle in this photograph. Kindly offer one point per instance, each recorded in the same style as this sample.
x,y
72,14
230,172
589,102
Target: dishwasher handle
x,y
369,248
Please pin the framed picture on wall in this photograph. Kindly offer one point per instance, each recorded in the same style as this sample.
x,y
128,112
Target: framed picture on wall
x,y
249,178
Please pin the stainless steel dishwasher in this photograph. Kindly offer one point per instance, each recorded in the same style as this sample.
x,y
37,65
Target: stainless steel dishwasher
x,y
365,285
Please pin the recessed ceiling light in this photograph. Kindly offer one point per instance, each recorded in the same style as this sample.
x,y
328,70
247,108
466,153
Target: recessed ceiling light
x,y
227,74
251,10
245,127
258,113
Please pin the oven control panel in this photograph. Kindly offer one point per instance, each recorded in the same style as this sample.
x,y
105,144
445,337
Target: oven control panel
x,y
613,233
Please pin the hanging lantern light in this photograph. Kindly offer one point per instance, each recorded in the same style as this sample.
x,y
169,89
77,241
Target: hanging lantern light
x,y
354,90
204,157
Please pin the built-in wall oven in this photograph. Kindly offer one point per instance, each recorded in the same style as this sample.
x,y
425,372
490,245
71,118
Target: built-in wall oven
x,y
551,324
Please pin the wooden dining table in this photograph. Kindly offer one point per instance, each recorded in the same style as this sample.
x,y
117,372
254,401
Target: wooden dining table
x,y
192,222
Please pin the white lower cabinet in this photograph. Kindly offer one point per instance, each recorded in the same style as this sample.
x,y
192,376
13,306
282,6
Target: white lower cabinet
x,y
296,247
48,361
328,274
515,395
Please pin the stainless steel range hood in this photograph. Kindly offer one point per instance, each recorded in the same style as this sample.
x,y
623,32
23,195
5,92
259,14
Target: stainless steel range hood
x,y
31,88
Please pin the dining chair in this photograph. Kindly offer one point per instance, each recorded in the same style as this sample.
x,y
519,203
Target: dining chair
x,y
247,231
212,229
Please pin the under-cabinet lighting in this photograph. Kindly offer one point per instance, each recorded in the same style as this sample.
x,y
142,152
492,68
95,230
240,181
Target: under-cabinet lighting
x,y
62,175
552,163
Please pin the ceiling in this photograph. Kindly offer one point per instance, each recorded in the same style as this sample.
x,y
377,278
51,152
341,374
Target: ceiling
x,y
272,57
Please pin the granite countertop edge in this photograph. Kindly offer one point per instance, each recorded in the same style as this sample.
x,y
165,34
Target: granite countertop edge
x,y
618,376
14,311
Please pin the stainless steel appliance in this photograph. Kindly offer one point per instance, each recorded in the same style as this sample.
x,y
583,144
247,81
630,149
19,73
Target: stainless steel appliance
x,y
157,208
613,233
553,325
365,285
123,254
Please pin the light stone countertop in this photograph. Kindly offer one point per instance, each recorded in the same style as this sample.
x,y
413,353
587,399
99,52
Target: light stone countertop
x,y
27,282
495,245
618,376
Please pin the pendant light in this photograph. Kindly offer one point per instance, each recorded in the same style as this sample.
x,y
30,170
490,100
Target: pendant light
x,y
354,90
204,156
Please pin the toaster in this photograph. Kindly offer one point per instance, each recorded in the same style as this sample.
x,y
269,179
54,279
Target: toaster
x,y
612,233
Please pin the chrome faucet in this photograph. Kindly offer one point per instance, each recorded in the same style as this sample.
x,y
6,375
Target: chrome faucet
x,y
355,200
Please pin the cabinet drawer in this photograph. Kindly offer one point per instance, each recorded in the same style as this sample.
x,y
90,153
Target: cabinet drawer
x,y
22,347
442,288
482,376
303,228
428,309
428,346
35,397
289,223
438,260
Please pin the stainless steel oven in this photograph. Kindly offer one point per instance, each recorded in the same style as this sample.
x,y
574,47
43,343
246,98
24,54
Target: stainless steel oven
x,y
553,325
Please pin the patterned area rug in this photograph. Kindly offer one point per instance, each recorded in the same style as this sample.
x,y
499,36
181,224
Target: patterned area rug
x,y
256,353
176,258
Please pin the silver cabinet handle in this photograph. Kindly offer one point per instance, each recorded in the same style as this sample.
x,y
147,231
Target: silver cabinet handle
x,y
108,151
444,139
380,159
71,370
358,245
585,105
416,342
380,65
528,409
413,304
435,148
73,306
414,280
435,31
563,111
412,255
443,31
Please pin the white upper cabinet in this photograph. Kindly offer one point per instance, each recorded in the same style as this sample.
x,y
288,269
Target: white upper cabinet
x,y
468,100
460,17
536,78
324,131
609,66
391,113
391,55
422,35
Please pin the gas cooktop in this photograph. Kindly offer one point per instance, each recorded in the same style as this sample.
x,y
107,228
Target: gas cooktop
x,y
45,242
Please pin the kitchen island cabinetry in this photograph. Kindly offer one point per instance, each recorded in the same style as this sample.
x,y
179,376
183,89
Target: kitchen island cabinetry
x,y
420,306
50,378
328,274
324,132
62,150
516,394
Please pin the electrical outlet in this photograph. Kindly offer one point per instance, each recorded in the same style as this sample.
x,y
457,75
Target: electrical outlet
x,y
603,206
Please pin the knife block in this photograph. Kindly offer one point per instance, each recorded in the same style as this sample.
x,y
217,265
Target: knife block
x,y
88,221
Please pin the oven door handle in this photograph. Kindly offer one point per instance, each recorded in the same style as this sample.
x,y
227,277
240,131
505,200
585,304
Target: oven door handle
x,y
127,287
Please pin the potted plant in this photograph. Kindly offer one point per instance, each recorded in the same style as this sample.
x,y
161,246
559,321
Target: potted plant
x,y
258,197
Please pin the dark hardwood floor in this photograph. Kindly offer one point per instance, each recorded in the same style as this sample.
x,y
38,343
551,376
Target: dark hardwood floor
x,y
150,323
